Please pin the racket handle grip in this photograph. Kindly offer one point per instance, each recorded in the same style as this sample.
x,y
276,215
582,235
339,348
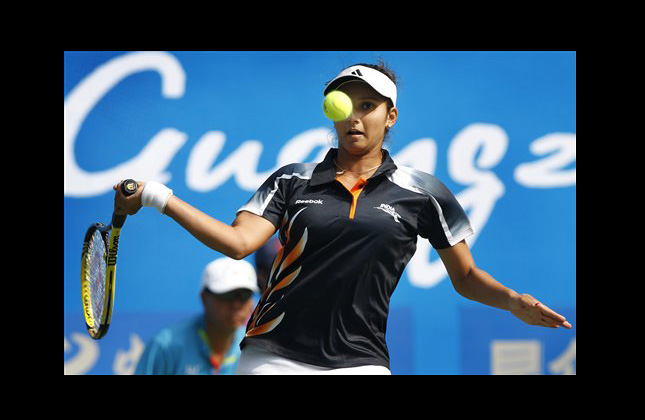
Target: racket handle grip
x,y
128,187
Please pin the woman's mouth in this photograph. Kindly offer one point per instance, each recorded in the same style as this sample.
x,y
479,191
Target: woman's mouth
x,y
354,132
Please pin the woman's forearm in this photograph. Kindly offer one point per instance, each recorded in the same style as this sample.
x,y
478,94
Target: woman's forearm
x,y
480,286
216,235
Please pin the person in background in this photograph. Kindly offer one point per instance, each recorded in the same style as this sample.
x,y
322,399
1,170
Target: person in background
x,y
208,343
264,259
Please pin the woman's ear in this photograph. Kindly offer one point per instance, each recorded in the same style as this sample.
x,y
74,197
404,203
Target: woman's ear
x,y
392,116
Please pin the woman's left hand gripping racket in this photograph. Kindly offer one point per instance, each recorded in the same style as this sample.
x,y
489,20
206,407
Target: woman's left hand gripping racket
x,y
98,269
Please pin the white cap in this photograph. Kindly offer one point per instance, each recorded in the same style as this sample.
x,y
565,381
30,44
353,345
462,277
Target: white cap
x,y
377,80
226,274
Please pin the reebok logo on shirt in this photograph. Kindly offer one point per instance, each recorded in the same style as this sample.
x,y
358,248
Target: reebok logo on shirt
x,y
309,201
389,210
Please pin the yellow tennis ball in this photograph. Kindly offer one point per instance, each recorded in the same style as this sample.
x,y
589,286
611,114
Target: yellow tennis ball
x,y
337,106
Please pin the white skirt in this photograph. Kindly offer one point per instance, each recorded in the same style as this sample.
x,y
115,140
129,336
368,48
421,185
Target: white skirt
x,y
255,360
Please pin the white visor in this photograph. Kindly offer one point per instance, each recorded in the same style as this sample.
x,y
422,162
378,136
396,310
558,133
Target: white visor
x,y
377,80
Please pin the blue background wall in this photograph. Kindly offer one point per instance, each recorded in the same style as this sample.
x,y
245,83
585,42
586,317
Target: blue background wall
x,y
498,128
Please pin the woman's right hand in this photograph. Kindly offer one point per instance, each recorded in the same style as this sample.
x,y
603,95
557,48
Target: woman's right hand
x,y
127,205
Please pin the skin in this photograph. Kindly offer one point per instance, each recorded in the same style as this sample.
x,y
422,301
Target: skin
x,y
370,116
222,318
356,153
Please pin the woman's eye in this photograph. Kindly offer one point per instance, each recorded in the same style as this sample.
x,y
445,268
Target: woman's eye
x,y
366,106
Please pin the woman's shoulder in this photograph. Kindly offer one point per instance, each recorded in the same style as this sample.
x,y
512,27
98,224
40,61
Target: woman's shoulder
x,y
417,181
300,170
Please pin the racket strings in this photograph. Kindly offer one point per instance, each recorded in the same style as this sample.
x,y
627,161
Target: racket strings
x,y
94,272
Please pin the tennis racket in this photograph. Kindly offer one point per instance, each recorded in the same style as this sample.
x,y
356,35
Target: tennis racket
x,y
98,269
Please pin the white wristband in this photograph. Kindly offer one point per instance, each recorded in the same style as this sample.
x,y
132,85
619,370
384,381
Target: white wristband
x,y
155,195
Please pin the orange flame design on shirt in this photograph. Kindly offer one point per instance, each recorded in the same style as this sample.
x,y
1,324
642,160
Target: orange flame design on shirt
x,y
277,282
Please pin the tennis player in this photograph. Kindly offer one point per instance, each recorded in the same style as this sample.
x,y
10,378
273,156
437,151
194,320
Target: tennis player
x,y
349,226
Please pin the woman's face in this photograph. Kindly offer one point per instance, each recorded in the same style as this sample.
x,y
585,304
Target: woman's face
x,y
364,130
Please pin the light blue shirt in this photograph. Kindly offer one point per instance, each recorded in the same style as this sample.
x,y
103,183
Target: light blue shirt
x,y
180,350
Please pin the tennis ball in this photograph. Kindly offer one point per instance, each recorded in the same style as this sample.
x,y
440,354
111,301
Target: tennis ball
x,y
337,106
